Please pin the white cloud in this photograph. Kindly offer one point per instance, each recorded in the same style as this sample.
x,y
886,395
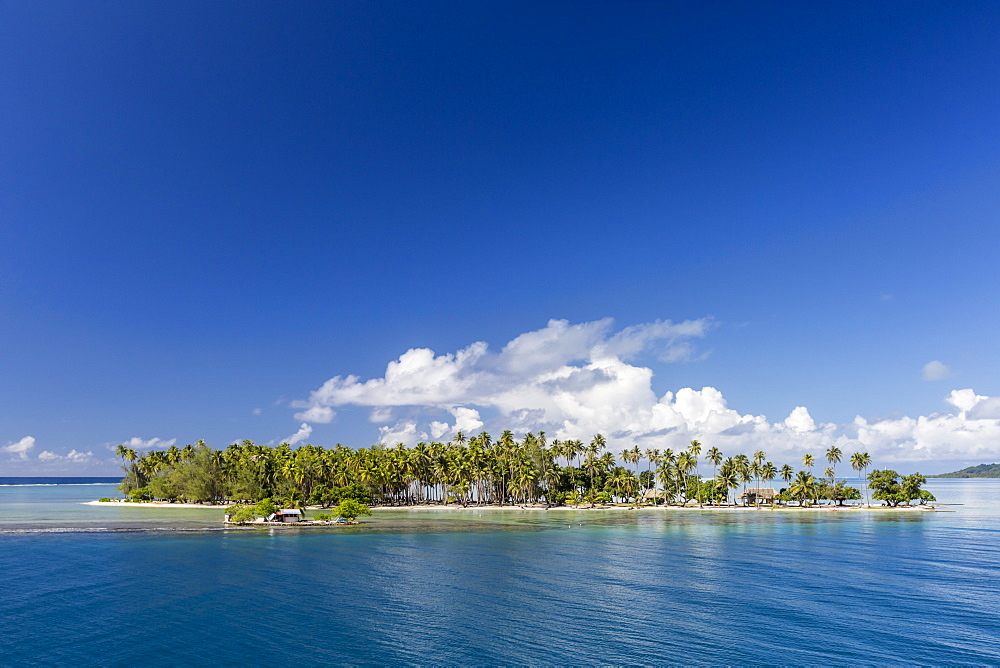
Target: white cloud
x,y
800,420
401,432
302,434
466,419
438,429
256,411
964,400
986,408
137,443
73,457
573,381
20,448
316,414
936,370
474,375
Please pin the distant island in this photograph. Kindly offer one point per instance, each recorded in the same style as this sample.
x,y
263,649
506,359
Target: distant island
x,y
978,471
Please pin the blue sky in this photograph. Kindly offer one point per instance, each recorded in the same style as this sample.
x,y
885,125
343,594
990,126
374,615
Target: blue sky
x,y
207,211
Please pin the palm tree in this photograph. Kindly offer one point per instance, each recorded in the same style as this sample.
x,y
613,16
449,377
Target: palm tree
x,y
632,456
832,478
833,455
596,445
727,478
664,473
756,469
624,484
715,456
685,462
808,461
695,449
804,487
133,476
652,461
787,473
593,464
859,462
742,464
768,471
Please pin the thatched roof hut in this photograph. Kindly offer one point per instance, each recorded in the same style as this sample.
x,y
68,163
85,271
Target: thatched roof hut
x,y
652,494
759,493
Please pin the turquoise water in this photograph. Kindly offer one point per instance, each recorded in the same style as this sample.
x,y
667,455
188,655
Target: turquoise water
x,y
88,585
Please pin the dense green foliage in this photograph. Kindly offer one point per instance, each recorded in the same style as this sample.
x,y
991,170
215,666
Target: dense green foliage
x,y
475,470
350,510
893,489
262,508
978,471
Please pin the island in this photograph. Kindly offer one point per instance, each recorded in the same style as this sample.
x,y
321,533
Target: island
x,y
509,472
978,471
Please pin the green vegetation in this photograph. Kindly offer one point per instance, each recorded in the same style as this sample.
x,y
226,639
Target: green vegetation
x,y
893,489
248,513
978,471
350,510
478,470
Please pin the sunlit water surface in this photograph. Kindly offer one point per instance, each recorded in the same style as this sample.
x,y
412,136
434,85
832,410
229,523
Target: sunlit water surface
x,y
86,585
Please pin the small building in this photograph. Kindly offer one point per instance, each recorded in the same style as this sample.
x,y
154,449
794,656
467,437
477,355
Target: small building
x,y
653,495
285,515
755,494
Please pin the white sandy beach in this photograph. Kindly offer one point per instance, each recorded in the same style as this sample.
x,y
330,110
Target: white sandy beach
x,y
426,507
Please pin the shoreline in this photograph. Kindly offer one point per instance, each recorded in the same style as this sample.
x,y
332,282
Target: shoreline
x,y
457,507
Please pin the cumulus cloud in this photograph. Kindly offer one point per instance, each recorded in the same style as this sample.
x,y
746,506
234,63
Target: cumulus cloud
x,y
985,408
317,414
936,370
466,421
401,432
576,380
72,457
137,443
302,434
557,354
20,448
799,420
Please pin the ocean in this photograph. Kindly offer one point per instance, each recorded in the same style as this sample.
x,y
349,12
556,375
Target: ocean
x,y
104,586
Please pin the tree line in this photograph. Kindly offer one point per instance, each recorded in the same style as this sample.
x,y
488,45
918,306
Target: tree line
x,y
481,470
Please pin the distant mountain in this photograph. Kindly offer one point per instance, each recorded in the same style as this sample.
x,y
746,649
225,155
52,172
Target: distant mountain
x,y
980,471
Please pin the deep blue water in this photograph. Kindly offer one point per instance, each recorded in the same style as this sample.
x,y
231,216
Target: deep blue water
x,y
509,587
48,480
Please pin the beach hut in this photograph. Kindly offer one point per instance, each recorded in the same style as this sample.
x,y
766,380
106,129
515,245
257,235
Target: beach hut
x,y
286,515
755,494
653,495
